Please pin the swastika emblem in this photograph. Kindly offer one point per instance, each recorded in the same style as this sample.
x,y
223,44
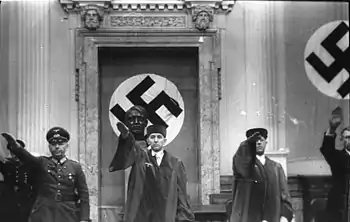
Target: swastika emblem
x,y
327,59
159,96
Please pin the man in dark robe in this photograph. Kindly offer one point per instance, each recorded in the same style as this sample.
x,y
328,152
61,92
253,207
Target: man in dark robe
x,y
260,191
339,162
63,194
20,189
157,188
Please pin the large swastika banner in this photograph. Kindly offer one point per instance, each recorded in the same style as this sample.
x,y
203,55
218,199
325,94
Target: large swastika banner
x,y
159,96
327,59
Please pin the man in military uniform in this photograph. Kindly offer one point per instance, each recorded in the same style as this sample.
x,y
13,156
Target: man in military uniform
x,y
19,190
62,181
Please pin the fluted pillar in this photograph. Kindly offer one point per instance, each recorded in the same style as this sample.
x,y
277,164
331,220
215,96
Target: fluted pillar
x,y
265,80
255,81
265,74
29,76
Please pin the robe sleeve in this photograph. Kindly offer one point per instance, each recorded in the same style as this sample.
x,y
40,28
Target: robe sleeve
x,y
125,155
242,162
184,212
286,203
331,155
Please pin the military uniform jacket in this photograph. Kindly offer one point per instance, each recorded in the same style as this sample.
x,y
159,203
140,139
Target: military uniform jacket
x,y
154,190
19,192
63,193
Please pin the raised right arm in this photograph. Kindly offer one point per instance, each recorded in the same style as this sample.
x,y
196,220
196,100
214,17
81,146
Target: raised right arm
x,y
125,155
243,160
18,149
331,155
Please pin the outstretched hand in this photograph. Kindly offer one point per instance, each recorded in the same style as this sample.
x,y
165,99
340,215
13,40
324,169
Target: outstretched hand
x,y
124,131
9,138
255,137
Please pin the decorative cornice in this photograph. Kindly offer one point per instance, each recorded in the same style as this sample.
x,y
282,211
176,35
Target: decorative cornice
x,y
147,21
148,5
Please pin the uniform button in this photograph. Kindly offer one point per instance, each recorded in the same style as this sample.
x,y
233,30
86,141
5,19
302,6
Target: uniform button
x,y
59,176
48,171
58,191
64,167
59,184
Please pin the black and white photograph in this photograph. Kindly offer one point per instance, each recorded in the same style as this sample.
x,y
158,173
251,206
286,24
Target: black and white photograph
x,y
174,111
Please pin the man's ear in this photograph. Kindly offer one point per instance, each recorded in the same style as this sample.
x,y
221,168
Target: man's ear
x,y
165,140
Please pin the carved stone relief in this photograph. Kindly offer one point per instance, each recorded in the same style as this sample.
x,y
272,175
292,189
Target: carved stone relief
x,y
202,16
148,21
147,13
92,17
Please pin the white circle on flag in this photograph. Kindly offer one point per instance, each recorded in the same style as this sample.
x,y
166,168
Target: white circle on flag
x,y
160,84
314,46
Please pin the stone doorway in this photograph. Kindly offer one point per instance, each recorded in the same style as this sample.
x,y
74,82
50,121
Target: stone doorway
x,y
88,91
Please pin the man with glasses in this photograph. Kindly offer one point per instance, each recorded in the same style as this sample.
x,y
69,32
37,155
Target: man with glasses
x,y
62,182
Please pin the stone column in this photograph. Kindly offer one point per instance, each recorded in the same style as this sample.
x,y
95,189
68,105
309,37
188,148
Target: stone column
x,y
28,71
265,73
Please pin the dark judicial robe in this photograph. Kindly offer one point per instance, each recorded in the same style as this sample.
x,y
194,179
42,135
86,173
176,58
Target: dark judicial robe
x,y
63,194
155,193
339,162
19,191
260,192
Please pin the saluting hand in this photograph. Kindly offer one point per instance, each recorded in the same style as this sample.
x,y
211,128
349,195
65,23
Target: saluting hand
x,y
124,131
11,141
255,137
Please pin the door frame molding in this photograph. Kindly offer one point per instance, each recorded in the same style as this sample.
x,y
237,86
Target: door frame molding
x,y
88,89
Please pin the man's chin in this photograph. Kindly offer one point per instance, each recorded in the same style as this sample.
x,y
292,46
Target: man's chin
x,y
137,130
157,148
260,153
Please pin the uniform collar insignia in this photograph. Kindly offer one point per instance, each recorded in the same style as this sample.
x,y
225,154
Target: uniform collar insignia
x,y
61,161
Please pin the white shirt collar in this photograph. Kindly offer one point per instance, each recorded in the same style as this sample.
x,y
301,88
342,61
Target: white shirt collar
x,y
261,158
159,156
